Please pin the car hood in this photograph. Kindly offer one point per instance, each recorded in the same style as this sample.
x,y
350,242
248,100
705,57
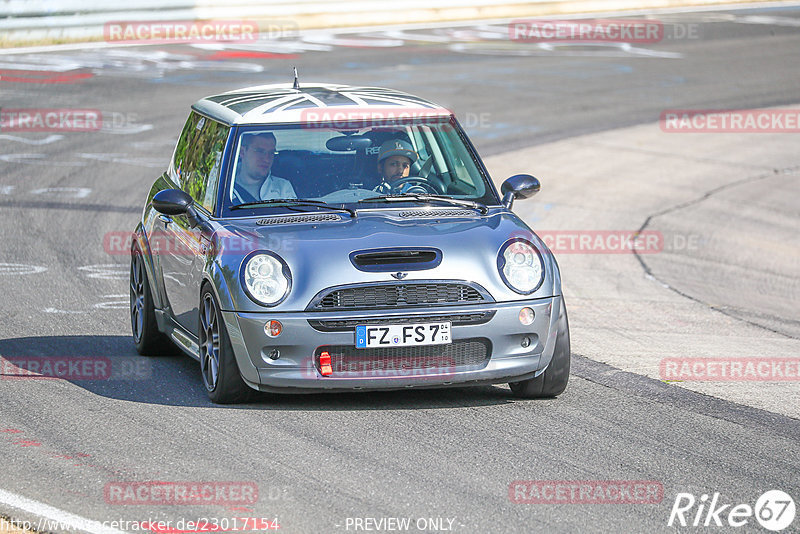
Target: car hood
x,y
318,251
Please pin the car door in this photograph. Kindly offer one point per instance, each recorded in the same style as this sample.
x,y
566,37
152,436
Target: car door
x,y
196,168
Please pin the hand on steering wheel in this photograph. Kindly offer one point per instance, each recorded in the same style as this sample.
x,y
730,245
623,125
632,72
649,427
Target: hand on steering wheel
x,y
414,185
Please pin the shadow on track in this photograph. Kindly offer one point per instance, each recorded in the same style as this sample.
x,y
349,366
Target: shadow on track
x,y
175,380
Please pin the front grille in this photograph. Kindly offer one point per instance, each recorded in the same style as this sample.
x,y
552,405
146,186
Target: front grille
x,y
457,319
461,355
295,219
392,295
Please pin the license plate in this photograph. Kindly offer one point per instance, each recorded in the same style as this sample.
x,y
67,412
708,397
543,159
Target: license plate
x,y
402,335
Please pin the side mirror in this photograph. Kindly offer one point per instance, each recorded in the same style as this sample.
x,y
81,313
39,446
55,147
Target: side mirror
x,y
519,186
172,202
177,202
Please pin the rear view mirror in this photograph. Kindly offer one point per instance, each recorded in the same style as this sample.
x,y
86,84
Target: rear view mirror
x,y
348,143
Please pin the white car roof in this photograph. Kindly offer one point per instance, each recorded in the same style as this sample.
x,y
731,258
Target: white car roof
x,y
315,103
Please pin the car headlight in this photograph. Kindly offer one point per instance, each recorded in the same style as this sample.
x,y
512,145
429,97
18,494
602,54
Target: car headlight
x,y
266,278
521,266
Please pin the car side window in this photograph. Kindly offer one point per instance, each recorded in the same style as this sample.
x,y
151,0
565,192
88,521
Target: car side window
x,y
202,157
184,142
464,173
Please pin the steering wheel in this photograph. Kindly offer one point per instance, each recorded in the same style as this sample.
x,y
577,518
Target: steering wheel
x,y
415,184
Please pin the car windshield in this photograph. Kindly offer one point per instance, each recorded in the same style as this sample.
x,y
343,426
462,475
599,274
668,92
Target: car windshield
x,y
363,166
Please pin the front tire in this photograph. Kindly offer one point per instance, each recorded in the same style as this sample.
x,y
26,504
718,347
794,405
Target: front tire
x,y
218,367
554,380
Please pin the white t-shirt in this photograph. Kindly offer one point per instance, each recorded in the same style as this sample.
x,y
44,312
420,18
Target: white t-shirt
x,y
273,187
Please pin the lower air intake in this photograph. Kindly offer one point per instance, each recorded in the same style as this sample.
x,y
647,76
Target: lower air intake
x,y
426,360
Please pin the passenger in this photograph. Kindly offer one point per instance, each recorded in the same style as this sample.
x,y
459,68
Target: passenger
x,y
254,179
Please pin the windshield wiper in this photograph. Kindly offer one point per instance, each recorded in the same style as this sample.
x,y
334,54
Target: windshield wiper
x,y
428,198
294,202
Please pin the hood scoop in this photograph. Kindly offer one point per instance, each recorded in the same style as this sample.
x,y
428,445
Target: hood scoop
x,y
295,219
396,259
429,214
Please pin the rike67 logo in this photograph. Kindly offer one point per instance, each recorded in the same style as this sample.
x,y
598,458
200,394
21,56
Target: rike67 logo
x,y
774,510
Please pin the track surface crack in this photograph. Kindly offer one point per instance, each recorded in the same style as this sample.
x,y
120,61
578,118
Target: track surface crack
x,y
708,194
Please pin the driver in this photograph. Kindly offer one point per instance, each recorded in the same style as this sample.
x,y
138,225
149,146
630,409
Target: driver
x,y
394,163
254,179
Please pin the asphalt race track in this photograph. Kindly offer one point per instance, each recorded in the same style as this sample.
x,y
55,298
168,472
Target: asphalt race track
x,y
447,460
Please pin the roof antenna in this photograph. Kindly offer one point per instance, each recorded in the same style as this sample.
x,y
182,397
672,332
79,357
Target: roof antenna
x,y
296,81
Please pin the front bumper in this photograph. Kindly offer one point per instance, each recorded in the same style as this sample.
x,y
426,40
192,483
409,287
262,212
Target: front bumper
x,y
515,351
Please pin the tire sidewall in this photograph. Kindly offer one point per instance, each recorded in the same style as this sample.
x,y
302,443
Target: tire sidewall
x,y
230,386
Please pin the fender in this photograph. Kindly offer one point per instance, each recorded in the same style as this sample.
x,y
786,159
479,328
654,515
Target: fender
x,y
214,276
558,326
140,239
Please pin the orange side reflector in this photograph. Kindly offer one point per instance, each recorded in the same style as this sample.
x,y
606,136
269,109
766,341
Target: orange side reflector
x,y
325,364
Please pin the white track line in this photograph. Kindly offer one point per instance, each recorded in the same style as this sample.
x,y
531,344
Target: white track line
x,y
64,520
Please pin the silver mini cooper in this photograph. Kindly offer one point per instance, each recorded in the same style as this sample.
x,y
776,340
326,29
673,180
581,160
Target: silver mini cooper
x,y
335,238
